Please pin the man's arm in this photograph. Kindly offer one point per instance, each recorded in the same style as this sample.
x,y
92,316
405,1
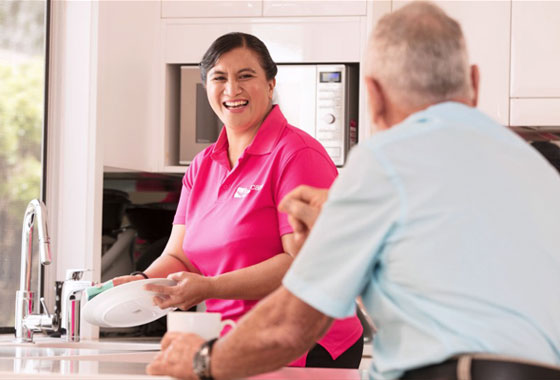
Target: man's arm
x,y
278,330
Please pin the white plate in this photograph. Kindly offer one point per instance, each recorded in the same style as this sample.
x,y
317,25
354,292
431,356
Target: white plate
x,y
126,305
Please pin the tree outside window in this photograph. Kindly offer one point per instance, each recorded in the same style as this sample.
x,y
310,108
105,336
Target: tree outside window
x,y
22,73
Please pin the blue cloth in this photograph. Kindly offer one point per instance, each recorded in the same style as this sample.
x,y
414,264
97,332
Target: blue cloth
x,y
448,226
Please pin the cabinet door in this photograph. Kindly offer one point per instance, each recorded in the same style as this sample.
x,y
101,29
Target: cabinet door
x,y
126,83
314,8
535,49
486,26
210,8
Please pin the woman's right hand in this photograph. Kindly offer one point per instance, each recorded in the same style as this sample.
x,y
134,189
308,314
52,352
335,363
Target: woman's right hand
x,y
128,278
191,289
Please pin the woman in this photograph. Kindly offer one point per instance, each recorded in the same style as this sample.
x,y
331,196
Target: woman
x,y
229,245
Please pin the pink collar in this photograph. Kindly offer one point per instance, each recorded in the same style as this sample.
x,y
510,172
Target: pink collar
x,y
265,140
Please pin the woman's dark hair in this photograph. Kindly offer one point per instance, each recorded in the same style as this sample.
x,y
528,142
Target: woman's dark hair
x,y
230,41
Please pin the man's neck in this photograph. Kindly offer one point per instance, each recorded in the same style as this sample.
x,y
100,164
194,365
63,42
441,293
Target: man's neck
x,y
396,114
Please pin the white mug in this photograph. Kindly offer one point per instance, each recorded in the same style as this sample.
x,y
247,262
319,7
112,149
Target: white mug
x,y
207,325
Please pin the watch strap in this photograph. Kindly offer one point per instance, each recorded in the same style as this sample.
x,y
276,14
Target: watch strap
x,y
140,273
201,360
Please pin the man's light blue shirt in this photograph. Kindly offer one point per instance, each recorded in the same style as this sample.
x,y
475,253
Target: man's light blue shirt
x,y
448,226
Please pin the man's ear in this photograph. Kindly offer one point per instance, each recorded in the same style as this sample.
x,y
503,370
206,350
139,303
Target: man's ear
x,y
475,82
377,102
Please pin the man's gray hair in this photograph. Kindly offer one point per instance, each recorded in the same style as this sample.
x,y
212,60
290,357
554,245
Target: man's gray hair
x,y
418,53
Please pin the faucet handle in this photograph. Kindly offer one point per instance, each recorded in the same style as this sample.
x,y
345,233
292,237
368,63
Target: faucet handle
x,y
51,323
42,299
76,274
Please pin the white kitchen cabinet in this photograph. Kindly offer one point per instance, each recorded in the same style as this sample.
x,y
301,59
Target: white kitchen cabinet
x,y
127,53
210,8
486,26
535,112
267,8
288,39
535,63
314,8
535,49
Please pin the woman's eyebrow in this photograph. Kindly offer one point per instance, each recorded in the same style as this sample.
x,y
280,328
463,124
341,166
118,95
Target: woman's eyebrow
x,y
247,69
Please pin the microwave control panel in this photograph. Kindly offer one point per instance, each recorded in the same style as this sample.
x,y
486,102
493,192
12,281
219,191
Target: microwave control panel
x,y
330,111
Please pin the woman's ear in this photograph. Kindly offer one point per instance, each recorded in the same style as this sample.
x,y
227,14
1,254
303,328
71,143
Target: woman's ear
x,y
271,85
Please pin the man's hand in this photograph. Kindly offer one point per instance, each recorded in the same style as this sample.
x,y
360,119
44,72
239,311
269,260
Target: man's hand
x,y
191,289
303,205
175,358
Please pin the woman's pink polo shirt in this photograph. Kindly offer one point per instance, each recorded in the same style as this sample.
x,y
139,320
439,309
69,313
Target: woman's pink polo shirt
x,y
231,215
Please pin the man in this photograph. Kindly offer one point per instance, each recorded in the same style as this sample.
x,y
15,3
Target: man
x,y
444,222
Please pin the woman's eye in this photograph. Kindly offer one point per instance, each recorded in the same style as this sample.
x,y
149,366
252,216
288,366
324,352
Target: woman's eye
x,y
218,79
246,76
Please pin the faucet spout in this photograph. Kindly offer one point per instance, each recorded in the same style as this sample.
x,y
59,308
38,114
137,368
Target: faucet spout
x,y
25,321
36,211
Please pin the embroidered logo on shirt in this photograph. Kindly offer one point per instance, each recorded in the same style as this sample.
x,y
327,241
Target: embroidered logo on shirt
x,y
242,192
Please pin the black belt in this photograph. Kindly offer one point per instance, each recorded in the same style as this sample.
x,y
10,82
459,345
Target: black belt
x,y
483,369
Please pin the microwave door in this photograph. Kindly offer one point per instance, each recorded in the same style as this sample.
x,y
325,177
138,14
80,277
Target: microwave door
x,y
295,93
199,125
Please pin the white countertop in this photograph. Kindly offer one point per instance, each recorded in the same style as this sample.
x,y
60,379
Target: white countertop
x,y
51,358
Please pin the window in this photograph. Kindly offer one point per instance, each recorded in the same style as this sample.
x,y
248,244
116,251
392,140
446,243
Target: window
x,y
22,99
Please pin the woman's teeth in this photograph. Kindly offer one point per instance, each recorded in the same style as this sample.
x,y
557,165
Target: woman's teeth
x,y
236,104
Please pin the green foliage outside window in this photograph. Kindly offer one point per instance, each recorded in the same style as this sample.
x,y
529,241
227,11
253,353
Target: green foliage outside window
x,y
21,115
22,65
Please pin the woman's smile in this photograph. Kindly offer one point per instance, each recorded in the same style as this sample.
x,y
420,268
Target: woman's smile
x,y
236,105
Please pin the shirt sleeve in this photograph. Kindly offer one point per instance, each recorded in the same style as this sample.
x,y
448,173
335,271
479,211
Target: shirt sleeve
x,y
339,258
305,167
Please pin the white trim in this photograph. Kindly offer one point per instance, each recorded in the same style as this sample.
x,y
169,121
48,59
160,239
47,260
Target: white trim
x,y
74,157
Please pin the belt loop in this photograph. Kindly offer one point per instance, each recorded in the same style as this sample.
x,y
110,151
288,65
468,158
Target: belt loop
x,y
464,367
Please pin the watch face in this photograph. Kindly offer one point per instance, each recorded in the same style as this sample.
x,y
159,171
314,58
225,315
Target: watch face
x,y
201,362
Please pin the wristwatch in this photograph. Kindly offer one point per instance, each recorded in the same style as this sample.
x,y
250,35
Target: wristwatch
x,y
201,360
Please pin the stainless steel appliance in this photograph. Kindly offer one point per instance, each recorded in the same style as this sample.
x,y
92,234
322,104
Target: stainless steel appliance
x,y
319,99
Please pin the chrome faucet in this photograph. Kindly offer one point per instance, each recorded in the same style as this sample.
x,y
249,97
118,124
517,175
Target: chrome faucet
x,y
26,322
71,298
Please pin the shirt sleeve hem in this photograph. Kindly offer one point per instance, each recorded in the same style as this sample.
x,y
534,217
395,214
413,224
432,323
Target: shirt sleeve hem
x,y
285,229
316,298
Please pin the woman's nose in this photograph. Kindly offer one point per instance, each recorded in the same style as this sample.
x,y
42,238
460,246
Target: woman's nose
x,y
232,88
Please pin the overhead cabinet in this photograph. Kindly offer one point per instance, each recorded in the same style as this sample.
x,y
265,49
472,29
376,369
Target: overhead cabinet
x,y
535,62
314,8
210,8
267,8
288,39
535,49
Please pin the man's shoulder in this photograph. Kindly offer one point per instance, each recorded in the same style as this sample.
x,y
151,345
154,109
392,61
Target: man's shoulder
x,y
451,117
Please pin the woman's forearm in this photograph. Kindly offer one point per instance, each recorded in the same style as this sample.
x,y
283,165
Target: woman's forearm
x,y
164,265
251,283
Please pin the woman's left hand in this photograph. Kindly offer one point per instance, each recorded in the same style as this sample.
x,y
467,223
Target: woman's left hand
x,y
191,289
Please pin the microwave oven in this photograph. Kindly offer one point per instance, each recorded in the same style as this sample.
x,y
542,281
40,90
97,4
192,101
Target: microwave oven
x,y
320,99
